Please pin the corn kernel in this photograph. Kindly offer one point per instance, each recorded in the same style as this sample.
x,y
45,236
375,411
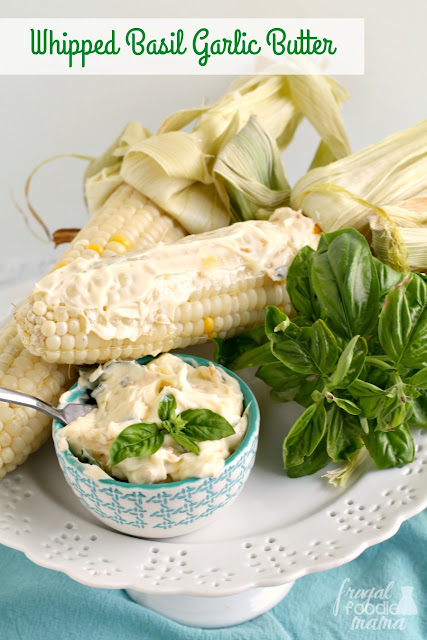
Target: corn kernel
x,y
281,308
121,239
93,246
73,326
61,328
48,328
81,341
60,314
27,386
5,439
7,455
208,324
39,308
53,343
18,445
316,229
60,265
67,342
209,262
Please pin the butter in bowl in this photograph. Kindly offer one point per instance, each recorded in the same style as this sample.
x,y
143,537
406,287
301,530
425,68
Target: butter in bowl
x,y
170,443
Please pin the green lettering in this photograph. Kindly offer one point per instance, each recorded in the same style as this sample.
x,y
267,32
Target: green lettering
x,y
276,40
330,44
201,34
133,42
41,46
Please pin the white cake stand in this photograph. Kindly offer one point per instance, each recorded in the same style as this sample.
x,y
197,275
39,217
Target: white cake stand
x,y
240,565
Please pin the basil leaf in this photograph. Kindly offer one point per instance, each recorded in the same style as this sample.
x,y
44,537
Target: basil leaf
x,y
391,414
167,407
203,424
378,361
323,347
304,436
306,350
273,318
419,411
390,448
249,349
361,389
305,391
292,348
347,405
345,279
136,441
350,364
298,284
185,442
301,394
420,379
402,326
372,406
254,358
279,377
302,321
88,458
387,278
344,434
312,463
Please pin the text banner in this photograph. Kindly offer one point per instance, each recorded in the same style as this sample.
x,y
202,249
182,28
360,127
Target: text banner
x,y
197,46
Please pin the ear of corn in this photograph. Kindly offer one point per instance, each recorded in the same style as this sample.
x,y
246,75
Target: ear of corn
x,y
347,193
213,284
128,221
23,430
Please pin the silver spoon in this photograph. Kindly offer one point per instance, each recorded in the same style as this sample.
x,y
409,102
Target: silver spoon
x,y
67,414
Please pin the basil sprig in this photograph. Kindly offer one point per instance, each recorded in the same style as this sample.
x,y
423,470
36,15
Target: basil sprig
x,y
187,428
355,356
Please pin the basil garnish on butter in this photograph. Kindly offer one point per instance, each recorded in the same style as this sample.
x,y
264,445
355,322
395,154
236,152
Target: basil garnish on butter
x,y
187,428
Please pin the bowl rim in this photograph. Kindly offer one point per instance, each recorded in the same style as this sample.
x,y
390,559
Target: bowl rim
x,y
251,432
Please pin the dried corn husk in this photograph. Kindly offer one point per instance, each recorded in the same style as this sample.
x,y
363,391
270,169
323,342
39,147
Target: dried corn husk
x,y
348,192
175,168
102,175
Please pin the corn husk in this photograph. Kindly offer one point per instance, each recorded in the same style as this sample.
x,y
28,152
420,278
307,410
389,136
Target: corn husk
x,y
249,174
362,190
175,168
410,218
102,175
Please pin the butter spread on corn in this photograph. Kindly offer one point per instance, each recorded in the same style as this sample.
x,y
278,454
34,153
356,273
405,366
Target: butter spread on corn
x,y
124,297
127,393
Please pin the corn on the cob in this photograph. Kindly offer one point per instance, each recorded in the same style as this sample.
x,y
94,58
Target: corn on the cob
x,y
208,285
23,430
126,221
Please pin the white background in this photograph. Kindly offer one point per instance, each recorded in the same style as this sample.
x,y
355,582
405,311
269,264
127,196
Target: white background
x,y
42,116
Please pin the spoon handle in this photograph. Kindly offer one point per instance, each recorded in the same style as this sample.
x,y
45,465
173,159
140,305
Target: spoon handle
x,y
16,397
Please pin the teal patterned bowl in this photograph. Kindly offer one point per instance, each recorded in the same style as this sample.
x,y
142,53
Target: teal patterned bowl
x,y
166,509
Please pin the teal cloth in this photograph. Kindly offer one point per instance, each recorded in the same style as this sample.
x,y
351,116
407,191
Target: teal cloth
x,y
42,604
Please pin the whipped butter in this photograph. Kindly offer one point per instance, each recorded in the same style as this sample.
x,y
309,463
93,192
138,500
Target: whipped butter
x,y
127,393
125,296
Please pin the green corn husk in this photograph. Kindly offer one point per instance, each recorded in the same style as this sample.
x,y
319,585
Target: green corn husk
x,y
363,191
175,168
249,174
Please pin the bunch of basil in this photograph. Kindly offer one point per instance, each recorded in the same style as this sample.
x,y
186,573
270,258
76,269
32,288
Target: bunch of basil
x,y
355,356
